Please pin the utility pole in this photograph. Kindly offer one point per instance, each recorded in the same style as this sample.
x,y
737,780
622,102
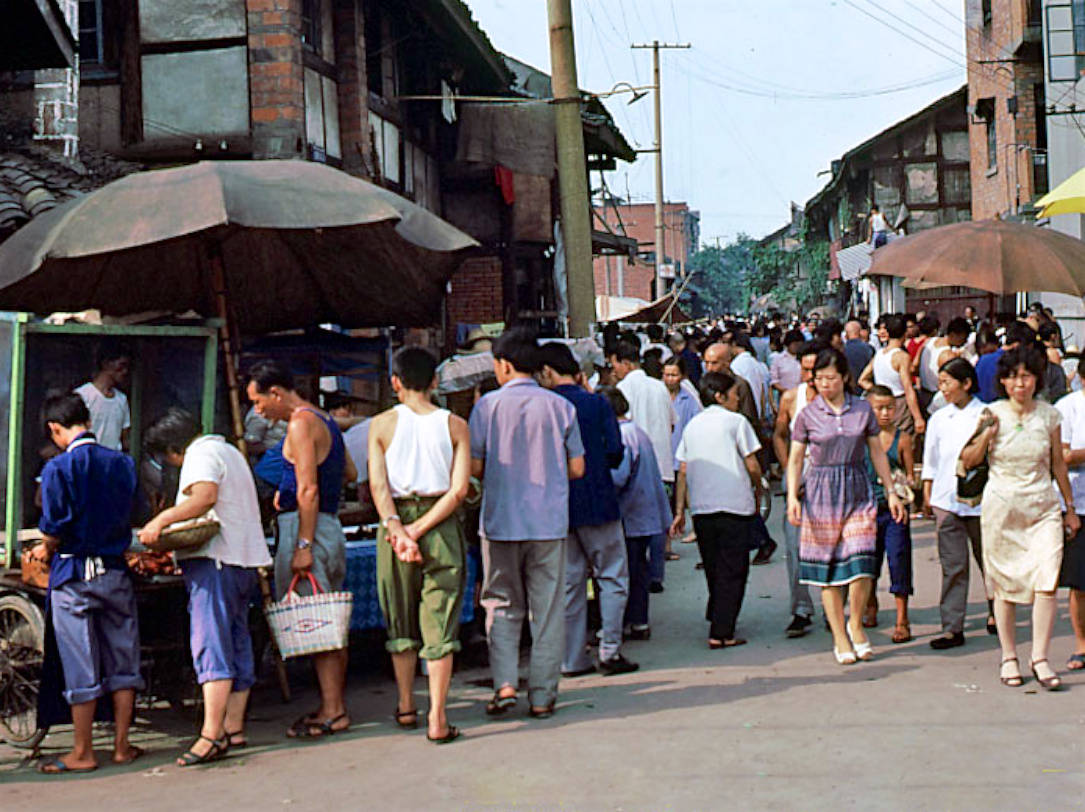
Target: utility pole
x,y
661,240
572,171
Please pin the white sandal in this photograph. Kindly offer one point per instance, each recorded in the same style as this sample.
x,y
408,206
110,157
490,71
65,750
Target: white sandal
x,y
844,657
864,651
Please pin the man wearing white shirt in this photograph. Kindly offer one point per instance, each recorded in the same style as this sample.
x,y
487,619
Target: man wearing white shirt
x,y
745,364
110,418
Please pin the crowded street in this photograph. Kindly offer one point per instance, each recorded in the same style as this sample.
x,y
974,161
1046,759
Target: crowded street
x,y
775,724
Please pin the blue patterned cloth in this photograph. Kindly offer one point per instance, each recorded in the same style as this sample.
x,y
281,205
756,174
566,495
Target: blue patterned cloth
x,y
362,582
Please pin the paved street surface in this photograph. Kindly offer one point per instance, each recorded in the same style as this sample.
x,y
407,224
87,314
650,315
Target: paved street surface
x,y
775,724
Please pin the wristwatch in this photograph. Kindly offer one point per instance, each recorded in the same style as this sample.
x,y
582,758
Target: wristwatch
x,y
384,522
304,544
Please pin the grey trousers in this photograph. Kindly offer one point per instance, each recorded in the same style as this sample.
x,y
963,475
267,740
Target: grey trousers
x,y
955,535
525,577
597,549
801,604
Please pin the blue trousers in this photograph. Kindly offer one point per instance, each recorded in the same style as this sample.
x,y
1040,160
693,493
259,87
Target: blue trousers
x,y
218,604
636,608
894,542
97,636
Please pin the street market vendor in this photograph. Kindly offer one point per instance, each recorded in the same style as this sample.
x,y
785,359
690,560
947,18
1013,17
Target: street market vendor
x,y
88,494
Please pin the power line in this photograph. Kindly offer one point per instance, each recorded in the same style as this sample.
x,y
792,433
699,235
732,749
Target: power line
x,y
945,10
958,31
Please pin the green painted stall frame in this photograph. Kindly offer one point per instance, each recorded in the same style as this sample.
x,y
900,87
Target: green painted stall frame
x,y
23,341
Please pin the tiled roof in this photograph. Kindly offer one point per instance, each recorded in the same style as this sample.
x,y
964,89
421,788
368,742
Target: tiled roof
x,y
34,180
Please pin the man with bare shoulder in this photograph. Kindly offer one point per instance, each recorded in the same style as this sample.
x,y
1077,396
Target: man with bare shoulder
x,y
311,540
419,473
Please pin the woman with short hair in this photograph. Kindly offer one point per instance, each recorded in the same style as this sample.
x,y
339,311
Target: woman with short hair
x,y
1022,524
220,576
836,512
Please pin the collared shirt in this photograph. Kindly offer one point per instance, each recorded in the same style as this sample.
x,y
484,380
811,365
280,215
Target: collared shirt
x,y
592,499
525,435
646,511
1072,409
986,372
714,448
240,541
686,407
836,438
87,497
650,408
786,371
948,432
746,365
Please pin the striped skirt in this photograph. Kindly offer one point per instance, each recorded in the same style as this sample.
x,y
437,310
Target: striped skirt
x,y
838,536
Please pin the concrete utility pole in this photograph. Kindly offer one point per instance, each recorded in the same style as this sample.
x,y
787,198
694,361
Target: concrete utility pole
x,y
661,234
572,171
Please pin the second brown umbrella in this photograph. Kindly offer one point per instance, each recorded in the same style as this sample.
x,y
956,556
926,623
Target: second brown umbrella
x,y
992,255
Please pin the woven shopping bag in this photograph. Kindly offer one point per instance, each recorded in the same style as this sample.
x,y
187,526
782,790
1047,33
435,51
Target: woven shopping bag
x,y
310,624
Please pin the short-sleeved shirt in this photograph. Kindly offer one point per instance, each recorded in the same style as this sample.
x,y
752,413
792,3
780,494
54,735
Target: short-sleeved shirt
x,y
786,371
525,435
986,372
948,432
241,540
836,438
714,448
650,408
858,353
1072,409
646,510
686,407
592,499
109,417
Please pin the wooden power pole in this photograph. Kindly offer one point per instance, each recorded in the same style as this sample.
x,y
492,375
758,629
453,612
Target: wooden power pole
x,y
572,171
657,148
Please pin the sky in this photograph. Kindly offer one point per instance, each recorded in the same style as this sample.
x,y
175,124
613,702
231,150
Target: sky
x,y
769,94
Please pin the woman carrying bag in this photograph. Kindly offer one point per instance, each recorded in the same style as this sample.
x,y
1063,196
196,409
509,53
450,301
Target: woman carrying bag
x,y
220,575
1022,527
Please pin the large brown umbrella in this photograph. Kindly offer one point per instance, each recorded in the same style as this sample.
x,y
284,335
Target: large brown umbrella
x,y
993,255
300,243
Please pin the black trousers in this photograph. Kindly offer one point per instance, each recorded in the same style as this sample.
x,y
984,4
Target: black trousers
x,y
724,540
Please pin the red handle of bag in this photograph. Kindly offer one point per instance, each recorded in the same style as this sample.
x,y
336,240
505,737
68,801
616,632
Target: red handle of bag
x,y
290,590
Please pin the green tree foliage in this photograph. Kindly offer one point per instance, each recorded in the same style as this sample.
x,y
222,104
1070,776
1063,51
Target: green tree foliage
x,y
719,283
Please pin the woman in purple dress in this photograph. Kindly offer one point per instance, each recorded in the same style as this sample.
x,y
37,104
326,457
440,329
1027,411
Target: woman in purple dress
x,y
834,506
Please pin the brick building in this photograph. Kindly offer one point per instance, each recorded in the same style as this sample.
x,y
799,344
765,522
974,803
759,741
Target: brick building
x,y
1006,104
621,275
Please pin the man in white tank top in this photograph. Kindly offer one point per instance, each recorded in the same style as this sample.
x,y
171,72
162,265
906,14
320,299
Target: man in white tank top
x,y
892,368
791,403
419,472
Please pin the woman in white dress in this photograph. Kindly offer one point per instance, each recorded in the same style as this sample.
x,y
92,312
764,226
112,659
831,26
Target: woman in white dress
x,y
1021,520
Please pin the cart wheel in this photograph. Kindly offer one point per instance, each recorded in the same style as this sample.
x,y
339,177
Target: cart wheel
x,y
22,649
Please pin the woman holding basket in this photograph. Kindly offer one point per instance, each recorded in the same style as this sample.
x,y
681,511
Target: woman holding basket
x,y
220,575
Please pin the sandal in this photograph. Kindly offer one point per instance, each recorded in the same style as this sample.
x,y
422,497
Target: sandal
x,y
1052,683
672,557
718,644
54,766
544,712
304,728
133,753
902,633
230,738
451,736
1076,662
870,618
218,749
500,705
1010,682
399,715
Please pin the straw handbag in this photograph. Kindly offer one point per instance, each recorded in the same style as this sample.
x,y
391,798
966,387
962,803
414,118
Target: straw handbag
x,y
310,624
188,534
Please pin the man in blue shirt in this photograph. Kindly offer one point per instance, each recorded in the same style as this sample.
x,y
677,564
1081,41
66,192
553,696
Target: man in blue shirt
x,y
987,365
525,446
595,541
88,493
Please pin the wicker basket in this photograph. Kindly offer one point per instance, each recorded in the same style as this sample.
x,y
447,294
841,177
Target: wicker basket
x,y
311,624
188,534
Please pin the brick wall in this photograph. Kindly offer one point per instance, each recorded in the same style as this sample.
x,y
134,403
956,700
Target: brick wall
x,y
276,90
636,277
991,74
475,293
56,99
353,90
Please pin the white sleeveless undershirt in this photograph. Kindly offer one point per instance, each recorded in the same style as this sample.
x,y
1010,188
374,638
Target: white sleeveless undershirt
x,y
800,404
419,458
885,374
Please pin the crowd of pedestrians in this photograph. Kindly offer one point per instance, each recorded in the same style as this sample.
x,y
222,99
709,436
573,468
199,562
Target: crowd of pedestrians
x,y
588,475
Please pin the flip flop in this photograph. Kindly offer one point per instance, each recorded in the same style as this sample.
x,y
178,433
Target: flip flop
x,y
54,766
303,729
451,736
133,753
1076,662
718,644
